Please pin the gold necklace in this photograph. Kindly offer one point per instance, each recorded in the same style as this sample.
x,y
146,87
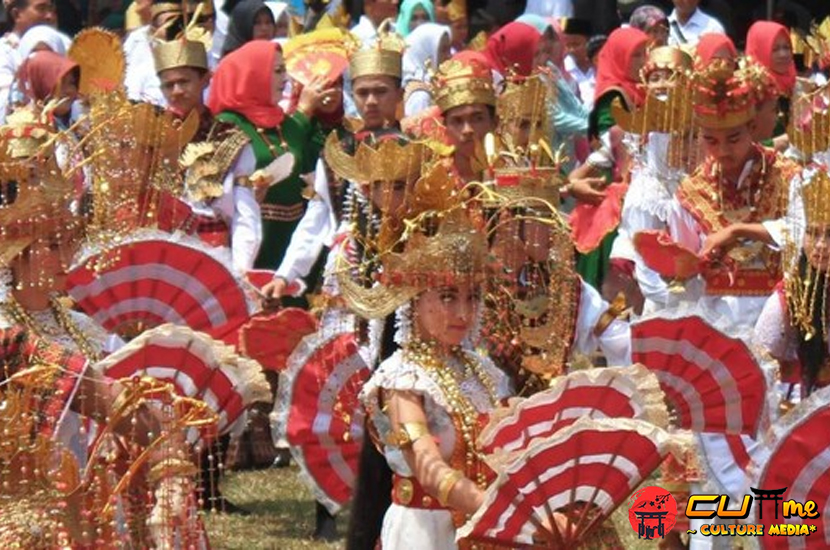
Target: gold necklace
x,y
422,353
22,317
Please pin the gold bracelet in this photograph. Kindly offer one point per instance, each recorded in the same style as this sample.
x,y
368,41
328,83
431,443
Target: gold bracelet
x,y
408,434
445,486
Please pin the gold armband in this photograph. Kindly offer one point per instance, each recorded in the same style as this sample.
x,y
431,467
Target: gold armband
x,y
445,486
614,312
408,434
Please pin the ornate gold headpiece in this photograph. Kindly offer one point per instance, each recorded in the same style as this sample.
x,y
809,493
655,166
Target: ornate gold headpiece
x,y
458,83
809,129
664,110
667,58
723,97
386,159
816,196
179,53
759,78
818,42
525,99
101,58
384,57
519,183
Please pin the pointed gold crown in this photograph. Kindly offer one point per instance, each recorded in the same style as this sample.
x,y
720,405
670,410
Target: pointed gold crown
x,y
387,159
525,99
458,83
382,58
817,199
723,97
179,53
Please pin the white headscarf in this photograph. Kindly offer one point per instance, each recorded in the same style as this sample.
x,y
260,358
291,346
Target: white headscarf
x,y
43,34
422,45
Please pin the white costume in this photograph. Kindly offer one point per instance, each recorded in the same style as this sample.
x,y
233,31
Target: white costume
x,y
614,341
141,81
9,63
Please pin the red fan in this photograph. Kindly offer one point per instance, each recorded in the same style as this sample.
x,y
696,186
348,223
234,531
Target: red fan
x,y
196,365
731,460
156,280
583,471
714,382
320,414
667,257
591,223
800,464
630,392
270,339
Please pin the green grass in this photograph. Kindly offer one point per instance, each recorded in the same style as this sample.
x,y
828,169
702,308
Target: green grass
x,y
282,515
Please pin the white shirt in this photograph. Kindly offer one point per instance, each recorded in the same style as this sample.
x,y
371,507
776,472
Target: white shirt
x,y
550,8
586,81
9,63
141,81
697,25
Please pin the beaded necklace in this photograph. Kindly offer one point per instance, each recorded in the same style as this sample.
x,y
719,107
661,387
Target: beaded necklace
x,y
63,318
447,379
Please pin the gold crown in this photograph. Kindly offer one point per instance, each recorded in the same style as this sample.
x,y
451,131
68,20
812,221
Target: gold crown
x,y
383,58
809,129
723,97
667,58
387,159
525,184
458,83
525,99
179,53
818,42
664,110
817,199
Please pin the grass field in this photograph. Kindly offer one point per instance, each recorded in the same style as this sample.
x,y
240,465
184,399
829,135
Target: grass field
x,y
282,515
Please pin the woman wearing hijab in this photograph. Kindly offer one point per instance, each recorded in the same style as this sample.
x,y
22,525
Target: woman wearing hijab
x,y
618,78
714,46
769,44
250,20
47,76
412,14
427,46
512,48
245,92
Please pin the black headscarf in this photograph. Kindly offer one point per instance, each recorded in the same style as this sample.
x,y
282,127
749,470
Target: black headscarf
x,y
241,26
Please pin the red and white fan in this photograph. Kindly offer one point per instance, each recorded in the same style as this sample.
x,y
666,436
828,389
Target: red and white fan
x,y
800,462
319,413
158,278
271,338
713,381
619,392
584,471
197,366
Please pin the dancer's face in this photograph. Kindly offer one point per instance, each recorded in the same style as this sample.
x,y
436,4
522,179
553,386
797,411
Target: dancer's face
x,y
817,246
446,315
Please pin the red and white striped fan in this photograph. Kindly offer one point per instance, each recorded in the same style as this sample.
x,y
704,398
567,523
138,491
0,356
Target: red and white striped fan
x,y
713,381
271,338
319,413
800,462
619,392
731,460
196,365
584,471
159,278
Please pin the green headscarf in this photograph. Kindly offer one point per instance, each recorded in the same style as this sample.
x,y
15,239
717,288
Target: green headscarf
x,y
405,14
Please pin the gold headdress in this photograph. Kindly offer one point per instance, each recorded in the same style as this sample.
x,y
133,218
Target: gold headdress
x,y
179,53
816,196
667,58
723,97
759,78
818,42
385,159
383,58
101,58
809,129
458,83
525,99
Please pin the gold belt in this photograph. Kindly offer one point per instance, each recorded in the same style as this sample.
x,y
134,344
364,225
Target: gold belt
x,y
282,213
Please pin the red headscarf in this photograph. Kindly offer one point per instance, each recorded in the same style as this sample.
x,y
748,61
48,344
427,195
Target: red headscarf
x,y
709,45
41,74
513,47
242,84
614,62
759,43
